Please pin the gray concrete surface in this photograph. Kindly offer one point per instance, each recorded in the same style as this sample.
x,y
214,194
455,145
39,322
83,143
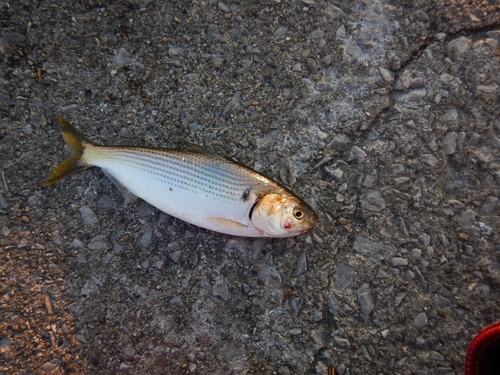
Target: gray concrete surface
x,y
384,115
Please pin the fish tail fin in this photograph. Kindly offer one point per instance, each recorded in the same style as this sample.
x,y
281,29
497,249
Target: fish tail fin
x,y
74,163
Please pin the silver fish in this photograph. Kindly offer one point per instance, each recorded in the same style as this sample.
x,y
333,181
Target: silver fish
x,y
194,185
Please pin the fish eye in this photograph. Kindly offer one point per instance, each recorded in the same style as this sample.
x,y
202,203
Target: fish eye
x,y
298,213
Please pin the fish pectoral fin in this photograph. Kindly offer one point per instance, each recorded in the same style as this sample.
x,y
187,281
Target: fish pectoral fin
x,y
191,147
227,222
129,197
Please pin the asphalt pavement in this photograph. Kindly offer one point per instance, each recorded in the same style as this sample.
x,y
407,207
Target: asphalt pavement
x,y
383,115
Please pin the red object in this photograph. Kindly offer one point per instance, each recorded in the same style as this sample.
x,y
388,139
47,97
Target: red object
x,y
483,355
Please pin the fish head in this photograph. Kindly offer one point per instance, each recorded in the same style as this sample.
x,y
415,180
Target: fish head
x,y
283,215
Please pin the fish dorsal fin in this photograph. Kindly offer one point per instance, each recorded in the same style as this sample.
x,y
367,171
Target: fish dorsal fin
x,y
191,147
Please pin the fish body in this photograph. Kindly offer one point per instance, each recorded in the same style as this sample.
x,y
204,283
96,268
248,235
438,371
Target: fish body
x,y
194,185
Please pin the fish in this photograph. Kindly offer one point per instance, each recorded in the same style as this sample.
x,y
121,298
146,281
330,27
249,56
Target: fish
x,y
194,185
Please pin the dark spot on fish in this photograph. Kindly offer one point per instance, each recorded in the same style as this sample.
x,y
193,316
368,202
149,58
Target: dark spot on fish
x,y
170,188
245,195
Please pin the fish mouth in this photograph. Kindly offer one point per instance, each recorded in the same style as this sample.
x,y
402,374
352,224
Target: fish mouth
x,y
305,229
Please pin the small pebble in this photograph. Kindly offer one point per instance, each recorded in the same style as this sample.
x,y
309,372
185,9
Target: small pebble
x,y
223,7
327,60
32,201
176,256
333,304
97,243
146,238
233,104
295,331
398,262
124,366
399,298
76,243
23,243
129,352
301,265
339,142
386,74
441,301
317,337
340,33
268,275
88,215
341,342
450,143
69,108
435,356
105,202
318,33
269,139
295,305
344,275
57,240
14,38
358,154
373,200
252,50
158,264
175,51
422,16
122,57
450,116
177,301
429,159
381,274
324,86
317,315
311,66
366,301
401,180
280,31
415,254
460,45
420,320
4,342
48,366
490,205
3,202
425,239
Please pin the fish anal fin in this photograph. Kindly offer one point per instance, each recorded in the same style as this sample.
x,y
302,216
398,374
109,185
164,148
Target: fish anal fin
x,y
228,223
129,197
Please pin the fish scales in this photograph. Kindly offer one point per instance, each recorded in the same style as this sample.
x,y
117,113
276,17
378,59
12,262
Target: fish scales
x,y
191,164
193,172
